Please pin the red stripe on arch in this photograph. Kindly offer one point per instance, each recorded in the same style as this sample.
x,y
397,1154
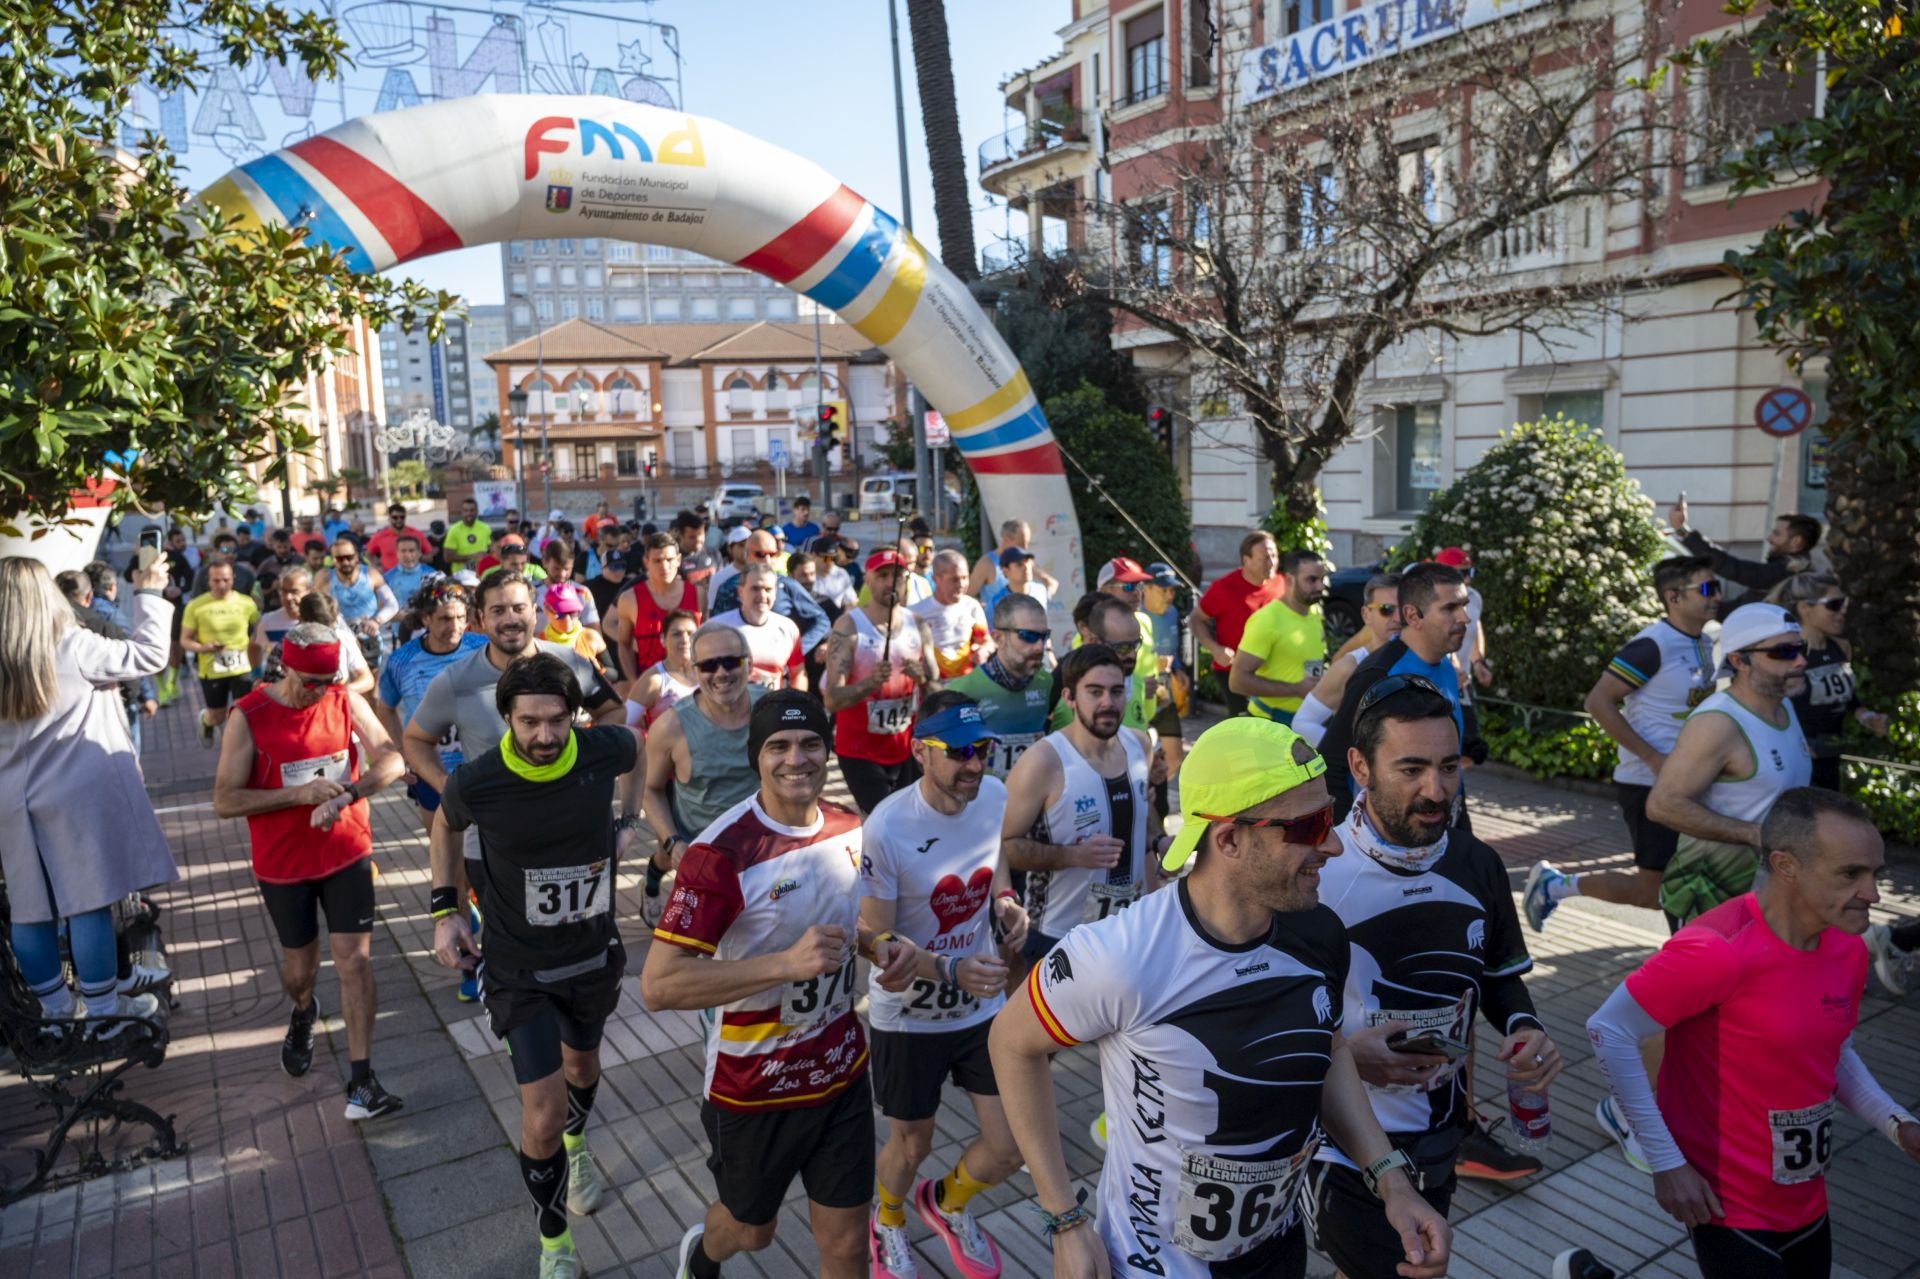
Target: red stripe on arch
x,y
406,222
788,255
1041,459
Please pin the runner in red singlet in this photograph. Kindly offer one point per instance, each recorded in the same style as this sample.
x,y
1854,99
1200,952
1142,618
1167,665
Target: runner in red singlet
x,y
1758,999
291,766
636,625
879,658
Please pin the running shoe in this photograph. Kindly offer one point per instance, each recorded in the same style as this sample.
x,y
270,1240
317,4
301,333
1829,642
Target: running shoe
x,y
296,1050
147,972
688,1242
1537,900
1483,1157
1578,1263
890,1251
652,904
1614,1124
1890,964
561,1263
370,1100
1098,1130
206,733
583,1182
469,987
145,1006
973,1252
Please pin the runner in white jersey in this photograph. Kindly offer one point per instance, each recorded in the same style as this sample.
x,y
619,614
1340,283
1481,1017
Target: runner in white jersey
x,y
1641,700
1077,821
761,929
956,620
773,641
1739,750
1380,622
1217,1008
935,902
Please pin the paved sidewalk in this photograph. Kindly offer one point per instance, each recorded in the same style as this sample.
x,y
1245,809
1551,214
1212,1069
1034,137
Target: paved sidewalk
x,y
278,1184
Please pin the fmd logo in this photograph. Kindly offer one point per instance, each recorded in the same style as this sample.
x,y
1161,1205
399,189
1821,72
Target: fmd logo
x,y
549,136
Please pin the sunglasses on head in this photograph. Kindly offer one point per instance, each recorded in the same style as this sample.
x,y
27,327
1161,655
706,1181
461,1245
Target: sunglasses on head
x,y
1027,636
1789,651
1307,831
1393,686
449,591
710,665
981,749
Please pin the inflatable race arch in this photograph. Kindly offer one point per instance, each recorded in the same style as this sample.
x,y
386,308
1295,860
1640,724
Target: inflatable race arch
x,y
401,185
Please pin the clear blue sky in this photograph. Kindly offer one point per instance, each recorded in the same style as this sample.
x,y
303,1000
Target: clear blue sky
x,y
813,76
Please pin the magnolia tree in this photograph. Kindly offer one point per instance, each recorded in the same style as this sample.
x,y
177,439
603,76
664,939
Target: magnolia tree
x,y
1458,190
1561,539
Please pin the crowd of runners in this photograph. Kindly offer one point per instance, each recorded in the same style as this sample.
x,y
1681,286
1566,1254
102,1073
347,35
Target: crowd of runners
x,y
1282,938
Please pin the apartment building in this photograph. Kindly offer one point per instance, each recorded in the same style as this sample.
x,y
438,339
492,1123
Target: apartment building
x,y
1672,382
552,281
445,379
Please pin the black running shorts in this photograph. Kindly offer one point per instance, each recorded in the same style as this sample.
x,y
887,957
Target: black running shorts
x,y
536,1016
1653,844
222,693
756,1156
346,896
909,1070
1351,1226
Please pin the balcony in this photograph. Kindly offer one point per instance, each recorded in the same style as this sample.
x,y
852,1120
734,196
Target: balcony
x,y
1059,132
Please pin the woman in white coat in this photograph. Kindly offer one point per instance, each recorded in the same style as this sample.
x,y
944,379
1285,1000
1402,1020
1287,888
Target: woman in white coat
x,y
77,832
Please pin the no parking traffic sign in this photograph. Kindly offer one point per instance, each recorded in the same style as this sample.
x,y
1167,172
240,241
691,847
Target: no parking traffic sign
x,y
1784,411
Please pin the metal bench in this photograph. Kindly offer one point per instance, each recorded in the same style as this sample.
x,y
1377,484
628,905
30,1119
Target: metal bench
x,y
77,1071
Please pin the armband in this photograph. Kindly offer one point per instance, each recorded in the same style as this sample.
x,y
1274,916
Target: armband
x,y
1894,1120
442,902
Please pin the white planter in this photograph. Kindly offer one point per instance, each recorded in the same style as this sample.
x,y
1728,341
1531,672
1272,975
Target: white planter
x,y
65,546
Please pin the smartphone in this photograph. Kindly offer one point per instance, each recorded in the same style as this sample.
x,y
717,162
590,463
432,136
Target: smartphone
x,y
1432,1043
149,546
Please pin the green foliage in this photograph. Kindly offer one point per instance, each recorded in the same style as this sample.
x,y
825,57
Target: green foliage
x,y
1119,451
130,321
1290,534
1554,744
1892,795
1561,540
1062,347
409,476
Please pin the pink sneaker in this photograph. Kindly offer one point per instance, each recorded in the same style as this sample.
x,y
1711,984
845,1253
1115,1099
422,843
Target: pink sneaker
x,y
890,1251
973,1252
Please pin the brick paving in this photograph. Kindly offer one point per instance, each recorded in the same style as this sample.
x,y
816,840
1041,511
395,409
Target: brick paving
x,y
278,1184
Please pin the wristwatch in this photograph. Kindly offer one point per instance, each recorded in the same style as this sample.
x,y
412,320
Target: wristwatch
x,y
626,822
1380,1167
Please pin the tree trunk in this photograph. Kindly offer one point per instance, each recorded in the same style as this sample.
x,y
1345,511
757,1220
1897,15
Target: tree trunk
x,y
1873,515
946,154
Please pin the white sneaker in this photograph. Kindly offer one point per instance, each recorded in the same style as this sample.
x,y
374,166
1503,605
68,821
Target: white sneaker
x,y
688,1242
1890,964
651,907
1614,1124
891,1252
122,1006
583,1182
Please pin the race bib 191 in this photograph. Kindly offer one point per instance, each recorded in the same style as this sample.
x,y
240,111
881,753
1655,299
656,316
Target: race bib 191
x,y
568,894
1227,1208
889,718
1802,1143
1105,899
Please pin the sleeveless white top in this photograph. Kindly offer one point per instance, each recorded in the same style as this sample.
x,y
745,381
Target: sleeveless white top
x,y
1060,899
1782,760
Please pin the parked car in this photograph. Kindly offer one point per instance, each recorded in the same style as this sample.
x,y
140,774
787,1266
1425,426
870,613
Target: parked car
x,y
732,501
880,493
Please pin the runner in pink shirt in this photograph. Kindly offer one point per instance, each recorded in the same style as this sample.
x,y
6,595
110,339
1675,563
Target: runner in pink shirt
x,y
1758,999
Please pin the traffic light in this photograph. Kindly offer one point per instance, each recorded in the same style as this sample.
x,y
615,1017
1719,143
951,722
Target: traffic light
x,y
833,414
652,464
1160,422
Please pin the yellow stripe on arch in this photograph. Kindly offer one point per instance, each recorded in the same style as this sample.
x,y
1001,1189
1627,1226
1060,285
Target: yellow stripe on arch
x,y
227,196
883,324
991,407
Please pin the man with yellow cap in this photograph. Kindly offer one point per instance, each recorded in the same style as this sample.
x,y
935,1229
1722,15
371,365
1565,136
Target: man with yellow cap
x,y
1217,1007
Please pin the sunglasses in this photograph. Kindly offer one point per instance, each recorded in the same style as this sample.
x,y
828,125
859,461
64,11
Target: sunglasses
x,y
763,555
1026,636
1126,650
1307,831
1385,610
1790,651
1393,686
1835,605
346,559
1710,588
312,684
711,665
981,749
1129,587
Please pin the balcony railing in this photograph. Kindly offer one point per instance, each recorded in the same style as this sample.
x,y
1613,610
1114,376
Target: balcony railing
x,y
1057,127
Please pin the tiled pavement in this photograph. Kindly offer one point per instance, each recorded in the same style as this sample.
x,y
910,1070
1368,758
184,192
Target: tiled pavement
x,y
277,1184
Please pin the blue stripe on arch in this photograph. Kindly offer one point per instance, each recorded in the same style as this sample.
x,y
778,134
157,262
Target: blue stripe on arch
x,y
856,271
1026,427
299,203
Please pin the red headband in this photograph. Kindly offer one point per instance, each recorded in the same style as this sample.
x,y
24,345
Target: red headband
x,y
311,659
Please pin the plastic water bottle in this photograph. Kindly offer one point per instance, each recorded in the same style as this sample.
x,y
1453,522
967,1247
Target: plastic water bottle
x,y
1532,1124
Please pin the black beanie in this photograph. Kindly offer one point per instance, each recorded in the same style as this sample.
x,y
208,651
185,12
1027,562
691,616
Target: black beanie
x,y
780,711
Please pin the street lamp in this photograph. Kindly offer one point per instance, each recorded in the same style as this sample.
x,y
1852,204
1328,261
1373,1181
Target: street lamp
x,y
517,411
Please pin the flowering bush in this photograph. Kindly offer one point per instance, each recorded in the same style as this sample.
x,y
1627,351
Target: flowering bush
x,y
1562,540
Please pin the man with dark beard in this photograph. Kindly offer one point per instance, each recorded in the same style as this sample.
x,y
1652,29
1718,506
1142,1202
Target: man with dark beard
x,y
1434,939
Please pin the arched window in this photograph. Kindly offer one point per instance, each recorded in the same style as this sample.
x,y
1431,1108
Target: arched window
x,y
739,394
582,395
623,398
777,396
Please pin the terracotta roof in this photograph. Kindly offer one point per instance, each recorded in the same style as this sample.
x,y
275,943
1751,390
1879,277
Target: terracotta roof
x,y
575,341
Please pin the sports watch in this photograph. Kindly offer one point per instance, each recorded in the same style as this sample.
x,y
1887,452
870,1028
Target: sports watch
x,y
1380,1167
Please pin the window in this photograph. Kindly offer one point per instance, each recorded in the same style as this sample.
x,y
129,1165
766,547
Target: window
x,y
1310,209
739,395
705,309
623,398
1199,234
626,459
1202,36
739,308
627,310
778,395
620,252
659,253
683,448
585,465
539,246
594,277
590,248
626,279
1744,108
699,279
543,277
666,310
1147,232
740,444
565,247
596,307
521,317
569,277
665,279
780,308
1421,180
516,251
1416,457
1588,408
1146,57
1302,14
569,308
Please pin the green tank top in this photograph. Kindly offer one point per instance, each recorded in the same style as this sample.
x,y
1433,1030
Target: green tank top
x,y
1017,719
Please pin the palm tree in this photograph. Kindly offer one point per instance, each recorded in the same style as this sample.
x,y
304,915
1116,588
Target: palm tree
x,y
933,70
487,428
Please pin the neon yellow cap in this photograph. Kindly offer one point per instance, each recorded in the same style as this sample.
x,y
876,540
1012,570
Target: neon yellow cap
x,y
1236,765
